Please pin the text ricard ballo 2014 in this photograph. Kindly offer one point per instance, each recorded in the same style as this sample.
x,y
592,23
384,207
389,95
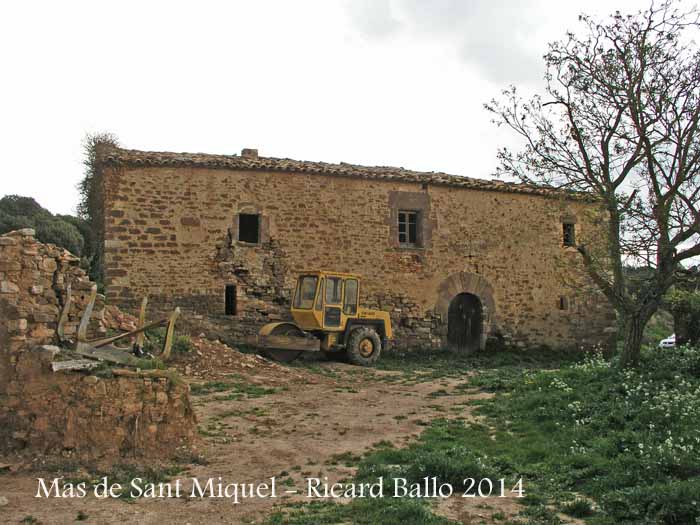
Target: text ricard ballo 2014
x,y
314,488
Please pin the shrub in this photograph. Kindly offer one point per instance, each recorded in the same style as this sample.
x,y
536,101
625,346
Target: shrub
x,y
155,339
578,508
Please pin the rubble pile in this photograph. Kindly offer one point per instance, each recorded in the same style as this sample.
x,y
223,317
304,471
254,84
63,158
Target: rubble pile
x,y
73,412
211,359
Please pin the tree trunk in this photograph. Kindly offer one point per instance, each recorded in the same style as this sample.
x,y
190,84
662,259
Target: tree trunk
x,y
634,330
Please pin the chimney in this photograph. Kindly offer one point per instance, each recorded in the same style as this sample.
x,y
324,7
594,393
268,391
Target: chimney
x,y
249,153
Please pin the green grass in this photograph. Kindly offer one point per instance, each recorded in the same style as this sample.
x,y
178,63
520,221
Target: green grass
x,y
659,327
155,339
578,508
427,365
629,441
235,389
345,458
359,511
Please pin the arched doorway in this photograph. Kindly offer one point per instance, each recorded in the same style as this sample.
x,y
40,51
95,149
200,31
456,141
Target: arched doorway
x,y
465,323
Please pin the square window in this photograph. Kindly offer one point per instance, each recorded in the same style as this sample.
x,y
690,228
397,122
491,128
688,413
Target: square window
x,y
569,234
249,228
408,228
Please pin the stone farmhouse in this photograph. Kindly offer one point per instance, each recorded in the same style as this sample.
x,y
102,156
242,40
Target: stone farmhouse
x,y
457,261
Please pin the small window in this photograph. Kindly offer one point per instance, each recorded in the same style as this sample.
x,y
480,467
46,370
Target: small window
x,y
231,300
563,303
350,304
569,234
306,292
334,290
408,228
249,228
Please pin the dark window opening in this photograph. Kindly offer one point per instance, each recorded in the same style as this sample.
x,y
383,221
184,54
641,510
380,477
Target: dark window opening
x,y
231,300
249,228
569,234
563,303
408,228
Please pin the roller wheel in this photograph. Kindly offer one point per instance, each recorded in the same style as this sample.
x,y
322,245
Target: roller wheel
x,y
279,354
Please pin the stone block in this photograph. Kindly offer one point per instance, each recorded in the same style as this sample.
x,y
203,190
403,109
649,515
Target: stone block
x,y
48,264
24,232
8,287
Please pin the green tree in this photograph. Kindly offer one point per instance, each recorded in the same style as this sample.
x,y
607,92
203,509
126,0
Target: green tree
x,y
24,212
91,205
619,119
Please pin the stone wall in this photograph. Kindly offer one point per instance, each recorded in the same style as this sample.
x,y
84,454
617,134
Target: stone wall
x,y
72,412
170,233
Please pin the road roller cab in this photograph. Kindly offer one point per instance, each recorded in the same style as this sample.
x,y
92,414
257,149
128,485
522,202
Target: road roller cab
x,y
328,318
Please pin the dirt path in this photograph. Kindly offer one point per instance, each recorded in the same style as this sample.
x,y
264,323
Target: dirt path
x,y
312,419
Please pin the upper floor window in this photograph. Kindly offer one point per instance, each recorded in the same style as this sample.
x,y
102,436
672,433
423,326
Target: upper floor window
x,y
408,228
249,228
568,234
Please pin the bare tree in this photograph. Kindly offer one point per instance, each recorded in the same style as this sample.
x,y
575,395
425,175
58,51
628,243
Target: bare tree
x,y
620,120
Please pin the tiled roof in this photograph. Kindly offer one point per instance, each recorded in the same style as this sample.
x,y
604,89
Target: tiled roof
x,y
130,157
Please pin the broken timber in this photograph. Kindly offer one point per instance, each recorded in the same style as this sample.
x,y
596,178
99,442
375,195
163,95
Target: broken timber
x,y
74,364
103,349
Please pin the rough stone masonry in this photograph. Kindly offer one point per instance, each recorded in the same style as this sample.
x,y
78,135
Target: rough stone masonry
x,y
72,413
224,238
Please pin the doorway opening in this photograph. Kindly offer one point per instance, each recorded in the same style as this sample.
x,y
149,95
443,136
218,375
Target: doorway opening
x,y
464,323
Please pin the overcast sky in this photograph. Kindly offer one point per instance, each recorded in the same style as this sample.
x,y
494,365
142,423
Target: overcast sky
x,y
374,82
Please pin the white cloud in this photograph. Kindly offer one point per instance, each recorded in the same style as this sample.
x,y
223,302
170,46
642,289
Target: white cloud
x,y
371,82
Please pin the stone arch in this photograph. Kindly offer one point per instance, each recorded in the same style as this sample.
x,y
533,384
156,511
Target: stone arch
x,y
466,283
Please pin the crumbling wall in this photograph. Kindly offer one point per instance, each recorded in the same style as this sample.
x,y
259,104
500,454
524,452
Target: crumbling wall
x,y
72,412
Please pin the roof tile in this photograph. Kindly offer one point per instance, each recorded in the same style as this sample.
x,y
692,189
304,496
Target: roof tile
x,y
130,157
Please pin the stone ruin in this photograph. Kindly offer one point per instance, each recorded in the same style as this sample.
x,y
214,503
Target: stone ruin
x,y
76,413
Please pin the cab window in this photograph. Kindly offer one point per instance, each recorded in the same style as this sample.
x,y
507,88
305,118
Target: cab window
x,y
319,299
306,292
350,305
334,290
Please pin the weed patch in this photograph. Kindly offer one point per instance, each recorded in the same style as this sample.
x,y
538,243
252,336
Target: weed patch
x,y
235,390
359,511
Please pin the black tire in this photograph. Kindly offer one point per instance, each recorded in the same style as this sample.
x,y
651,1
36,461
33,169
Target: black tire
x,y
364,346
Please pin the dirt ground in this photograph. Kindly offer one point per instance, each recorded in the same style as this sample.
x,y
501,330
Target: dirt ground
x,y
258,419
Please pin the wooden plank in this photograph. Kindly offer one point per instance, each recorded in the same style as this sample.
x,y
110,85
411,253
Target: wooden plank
x,y
286,342
107,353
96,343
85,319
74,364
60,331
